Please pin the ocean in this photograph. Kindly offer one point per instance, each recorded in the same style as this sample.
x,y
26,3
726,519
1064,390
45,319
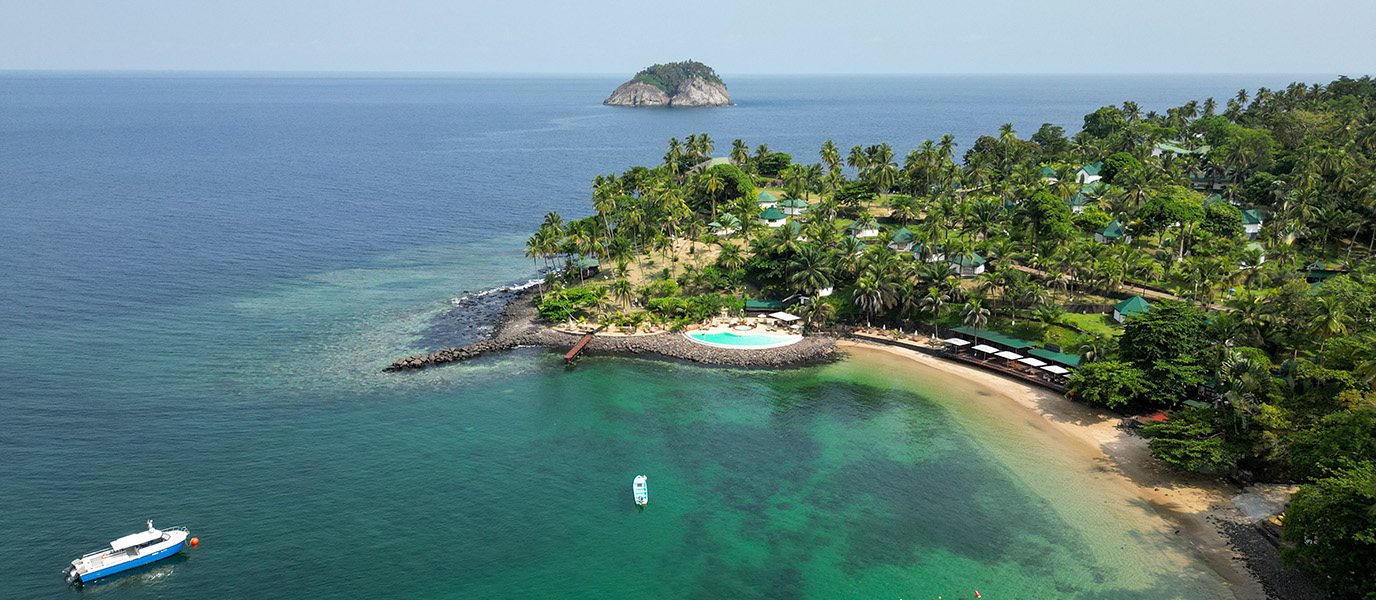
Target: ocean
x,y
201,277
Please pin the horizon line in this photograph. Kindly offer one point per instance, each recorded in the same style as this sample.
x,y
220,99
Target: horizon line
x,y
570,74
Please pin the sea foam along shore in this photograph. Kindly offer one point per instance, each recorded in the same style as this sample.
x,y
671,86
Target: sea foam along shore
x,y
1196,507
517,327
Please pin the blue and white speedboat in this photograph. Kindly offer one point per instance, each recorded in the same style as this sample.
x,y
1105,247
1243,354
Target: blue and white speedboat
x,y
133,550
640,491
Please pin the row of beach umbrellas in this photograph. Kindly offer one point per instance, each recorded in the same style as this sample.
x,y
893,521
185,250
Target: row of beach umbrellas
x,y
1010,356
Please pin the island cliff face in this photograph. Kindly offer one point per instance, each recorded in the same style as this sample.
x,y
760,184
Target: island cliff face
x,y
685,84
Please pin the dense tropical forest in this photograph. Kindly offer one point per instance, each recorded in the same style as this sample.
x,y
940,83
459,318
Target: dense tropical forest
x,y
667,76
1250,223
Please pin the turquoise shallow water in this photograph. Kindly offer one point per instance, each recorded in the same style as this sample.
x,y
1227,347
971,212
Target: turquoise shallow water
x,y
202,277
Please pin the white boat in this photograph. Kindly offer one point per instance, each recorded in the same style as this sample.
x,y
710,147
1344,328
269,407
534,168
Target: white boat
x,y
133,550
641,493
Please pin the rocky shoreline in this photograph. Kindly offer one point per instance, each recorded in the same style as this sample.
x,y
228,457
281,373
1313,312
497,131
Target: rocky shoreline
x,y
517,327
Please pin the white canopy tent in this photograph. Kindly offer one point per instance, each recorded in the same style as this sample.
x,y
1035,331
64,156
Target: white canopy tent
x,y
1057,370
1009,355
783,316
1033,362
957,342
986,349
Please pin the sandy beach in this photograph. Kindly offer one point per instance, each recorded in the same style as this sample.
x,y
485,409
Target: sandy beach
x,y
1184,503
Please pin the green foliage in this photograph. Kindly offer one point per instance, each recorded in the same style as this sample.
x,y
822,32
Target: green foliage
x,y
1121,162
853,194
1048,216
1091,219
667,76
561,305
1222,219
770,165
1343,440
1104,122
661,289
1167,343
1108,383
1260,189
1331,525
1165,210
1052,140
1192,440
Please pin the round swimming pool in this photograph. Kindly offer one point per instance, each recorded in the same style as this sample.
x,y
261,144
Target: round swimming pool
x,y
751,340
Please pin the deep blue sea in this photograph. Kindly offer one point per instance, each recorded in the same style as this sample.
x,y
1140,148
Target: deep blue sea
x,y
202,276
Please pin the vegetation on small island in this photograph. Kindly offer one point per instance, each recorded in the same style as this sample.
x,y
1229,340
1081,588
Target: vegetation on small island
x,y
667,76
1250,224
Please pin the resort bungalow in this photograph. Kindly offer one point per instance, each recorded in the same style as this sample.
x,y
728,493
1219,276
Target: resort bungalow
x,y
1127,308
793,207
1176,148
1210,180
1048,174
766,200
967,265
796,229
1089,173
931,254
902,240
1079,201
1251,223
772,217
587,267
863,228
1111,233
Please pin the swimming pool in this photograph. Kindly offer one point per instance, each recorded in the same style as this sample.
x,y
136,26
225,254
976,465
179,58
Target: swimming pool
x,y
747,340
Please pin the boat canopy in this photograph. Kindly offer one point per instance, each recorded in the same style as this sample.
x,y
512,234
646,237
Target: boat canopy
x,y
134,539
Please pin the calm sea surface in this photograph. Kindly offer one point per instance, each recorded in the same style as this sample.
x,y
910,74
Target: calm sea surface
x,y
201,277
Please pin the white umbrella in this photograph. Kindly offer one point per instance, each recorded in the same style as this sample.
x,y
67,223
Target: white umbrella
x,y
1009,355
986,349
1033,362
957,342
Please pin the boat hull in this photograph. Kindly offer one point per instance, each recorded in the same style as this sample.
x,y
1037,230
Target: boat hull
x,y
133,563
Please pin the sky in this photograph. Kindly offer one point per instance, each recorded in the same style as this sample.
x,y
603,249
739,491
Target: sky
x,y
734,36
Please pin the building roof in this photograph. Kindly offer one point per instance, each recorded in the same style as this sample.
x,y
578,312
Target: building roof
x,y
793,203
1213,199
969,259
1112,230
1093,168
751,304
996,337
1080,199
765,197
1069,360
588,263
1172,147
1132,306
902,236
772,214
856,225
925,249
1095,187
1047,171
1251,217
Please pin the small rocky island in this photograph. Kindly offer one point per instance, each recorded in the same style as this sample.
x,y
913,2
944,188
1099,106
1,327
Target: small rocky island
x,y
681,84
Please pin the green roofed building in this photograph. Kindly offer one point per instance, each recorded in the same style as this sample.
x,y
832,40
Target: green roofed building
x,y
1061,358
766,306
1127,308
1111,233
995,337
773,217
766,199
1047,172
793,206
902,240
1089,173
968,264
1251,223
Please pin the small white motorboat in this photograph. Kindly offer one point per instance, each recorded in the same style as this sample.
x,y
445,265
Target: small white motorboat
x,y
641,493
133,550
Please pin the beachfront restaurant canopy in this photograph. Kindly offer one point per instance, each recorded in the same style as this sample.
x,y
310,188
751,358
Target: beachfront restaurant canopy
x,y
1009,355
764,306
783,316
1057,370
1069,360
986,349
1033,362
995,337
957,342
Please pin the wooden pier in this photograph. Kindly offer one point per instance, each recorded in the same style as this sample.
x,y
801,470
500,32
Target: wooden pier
x,y
582,343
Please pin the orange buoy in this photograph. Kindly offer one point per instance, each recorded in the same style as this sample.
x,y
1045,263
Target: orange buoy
x,y
195,541
977,594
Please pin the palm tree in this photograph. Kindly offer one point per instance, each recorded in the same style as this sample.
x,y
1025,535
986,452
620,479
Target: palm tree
x,y
1331,320
869,296
811,269
857,160
882,167
818,313
731,256
831,156
934,302
623,290
975,315
740,153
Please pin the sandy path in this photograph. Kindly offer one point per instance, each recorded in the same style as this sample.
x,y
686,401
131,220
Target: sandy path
x,y
1183,501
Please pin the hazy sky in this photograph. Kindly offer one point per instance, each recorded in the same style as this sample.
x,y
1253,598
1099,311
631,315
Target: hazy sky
x,y
734,36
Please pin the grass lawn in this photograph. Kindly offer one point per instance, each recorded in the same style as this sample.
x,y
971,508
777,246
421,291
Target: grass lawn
x,y
1099,324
